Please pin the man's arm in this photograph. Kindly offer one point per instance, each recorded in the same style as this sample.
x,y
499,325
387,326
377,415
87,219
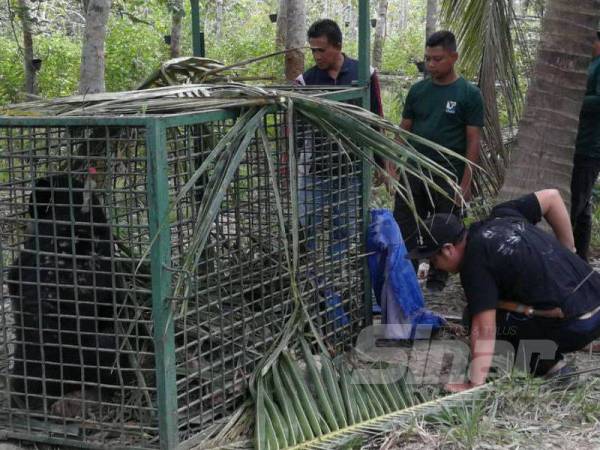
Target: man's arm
x,y
390,167
472,154
483,341
375,94
554,210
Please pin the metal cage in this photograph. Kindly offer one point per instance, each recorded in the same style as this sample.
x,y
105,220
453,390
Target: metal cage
x,y
97,347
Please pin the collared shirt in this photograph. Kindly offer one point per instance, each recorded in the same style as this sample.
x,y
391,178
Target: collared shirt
x,y
347,76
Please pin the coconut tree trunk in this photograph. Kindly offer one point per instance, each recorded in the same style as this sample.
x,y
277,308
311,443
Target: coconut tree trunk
x,y
91,77
281,25
547,131
296,37
177,13
219,21
30,71
431,18
379,38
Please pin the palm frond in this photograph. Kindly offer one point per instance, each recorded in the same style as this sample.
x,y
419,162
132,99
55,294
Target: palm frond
x,y
193,70
327,408
488,34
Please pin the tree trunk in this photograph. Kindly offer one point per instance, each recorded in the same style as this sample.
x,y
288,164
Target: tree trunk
x,y
91,79
379,38
296,37
30,71
432,16
177,13
352,28
403,14
219,21
545,141
280,37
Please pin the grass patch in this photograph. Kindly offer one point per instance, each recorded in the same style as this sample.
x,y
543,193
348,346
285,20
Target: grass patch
x,y
524,412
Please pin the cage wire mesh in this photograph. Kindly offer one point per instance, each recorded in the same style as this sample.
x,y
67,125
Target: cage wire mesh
x,y
78,348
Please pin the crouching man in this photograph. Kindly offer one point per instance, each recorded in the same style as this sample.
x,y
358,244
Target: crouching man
x,y
521,283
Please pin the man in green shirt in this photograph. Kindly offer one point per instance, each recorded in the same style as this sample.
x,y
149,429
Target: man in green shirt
x,y
586,163
448,110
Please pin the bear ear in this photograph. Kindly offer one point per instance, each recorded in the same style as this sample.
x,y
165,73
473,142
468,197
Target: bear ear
x,y
40,199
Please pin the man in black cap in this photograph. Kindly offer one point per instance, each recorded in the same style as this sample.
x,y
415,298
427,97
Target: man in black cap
x,y
522,284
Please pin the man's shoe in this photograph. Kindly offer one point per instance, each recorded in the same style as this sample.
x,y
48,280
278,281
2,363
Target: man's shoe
x,y
561,375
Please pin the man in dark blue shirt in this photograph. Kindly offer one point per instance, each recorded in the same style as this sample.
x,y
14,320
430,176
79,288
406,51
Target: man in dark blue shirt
x,y
523,286
329,178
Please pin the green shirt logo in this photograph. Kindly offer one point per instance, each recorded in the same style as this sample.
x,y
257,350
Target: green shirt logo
x,y
450,107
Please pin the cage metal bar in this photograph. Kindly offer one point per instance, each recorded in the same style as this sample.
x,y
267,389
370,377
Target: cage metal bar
x,y
364,43
164,338
364,58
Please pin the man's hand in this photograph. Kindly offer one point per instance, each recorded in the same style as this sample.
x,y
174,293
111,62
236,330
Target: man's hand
x,y
458,387
466,191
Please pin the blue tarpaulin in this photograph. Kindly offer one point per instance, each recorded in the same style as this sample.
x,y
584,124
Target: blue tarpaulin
x,y
395,283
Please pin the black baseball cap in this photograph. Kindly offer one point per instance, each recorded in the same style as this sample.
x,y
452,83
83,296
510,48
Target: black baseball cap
x,y
440,229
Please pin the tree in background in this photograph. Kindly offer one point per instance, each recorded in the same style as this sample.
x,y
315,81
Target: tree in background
x,y
218,20
295,37
91,79
547,131
177,15
431,18
380,32
281,33
30,70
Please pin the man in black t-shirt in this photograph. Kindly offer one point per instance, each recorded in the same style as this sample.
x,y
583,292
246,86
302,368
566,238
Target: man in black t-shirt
x,y
505,259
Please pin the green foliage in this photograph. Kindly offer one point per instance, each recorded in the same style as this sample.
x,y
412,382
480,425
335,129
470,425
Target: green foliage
x,y
132,50
251,34
400,52
462,422
11,71
59,75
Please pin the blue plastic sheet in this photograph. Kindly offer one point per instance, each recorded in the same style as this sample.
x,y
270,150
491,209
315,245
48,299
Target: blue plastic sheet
x,y
395,283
